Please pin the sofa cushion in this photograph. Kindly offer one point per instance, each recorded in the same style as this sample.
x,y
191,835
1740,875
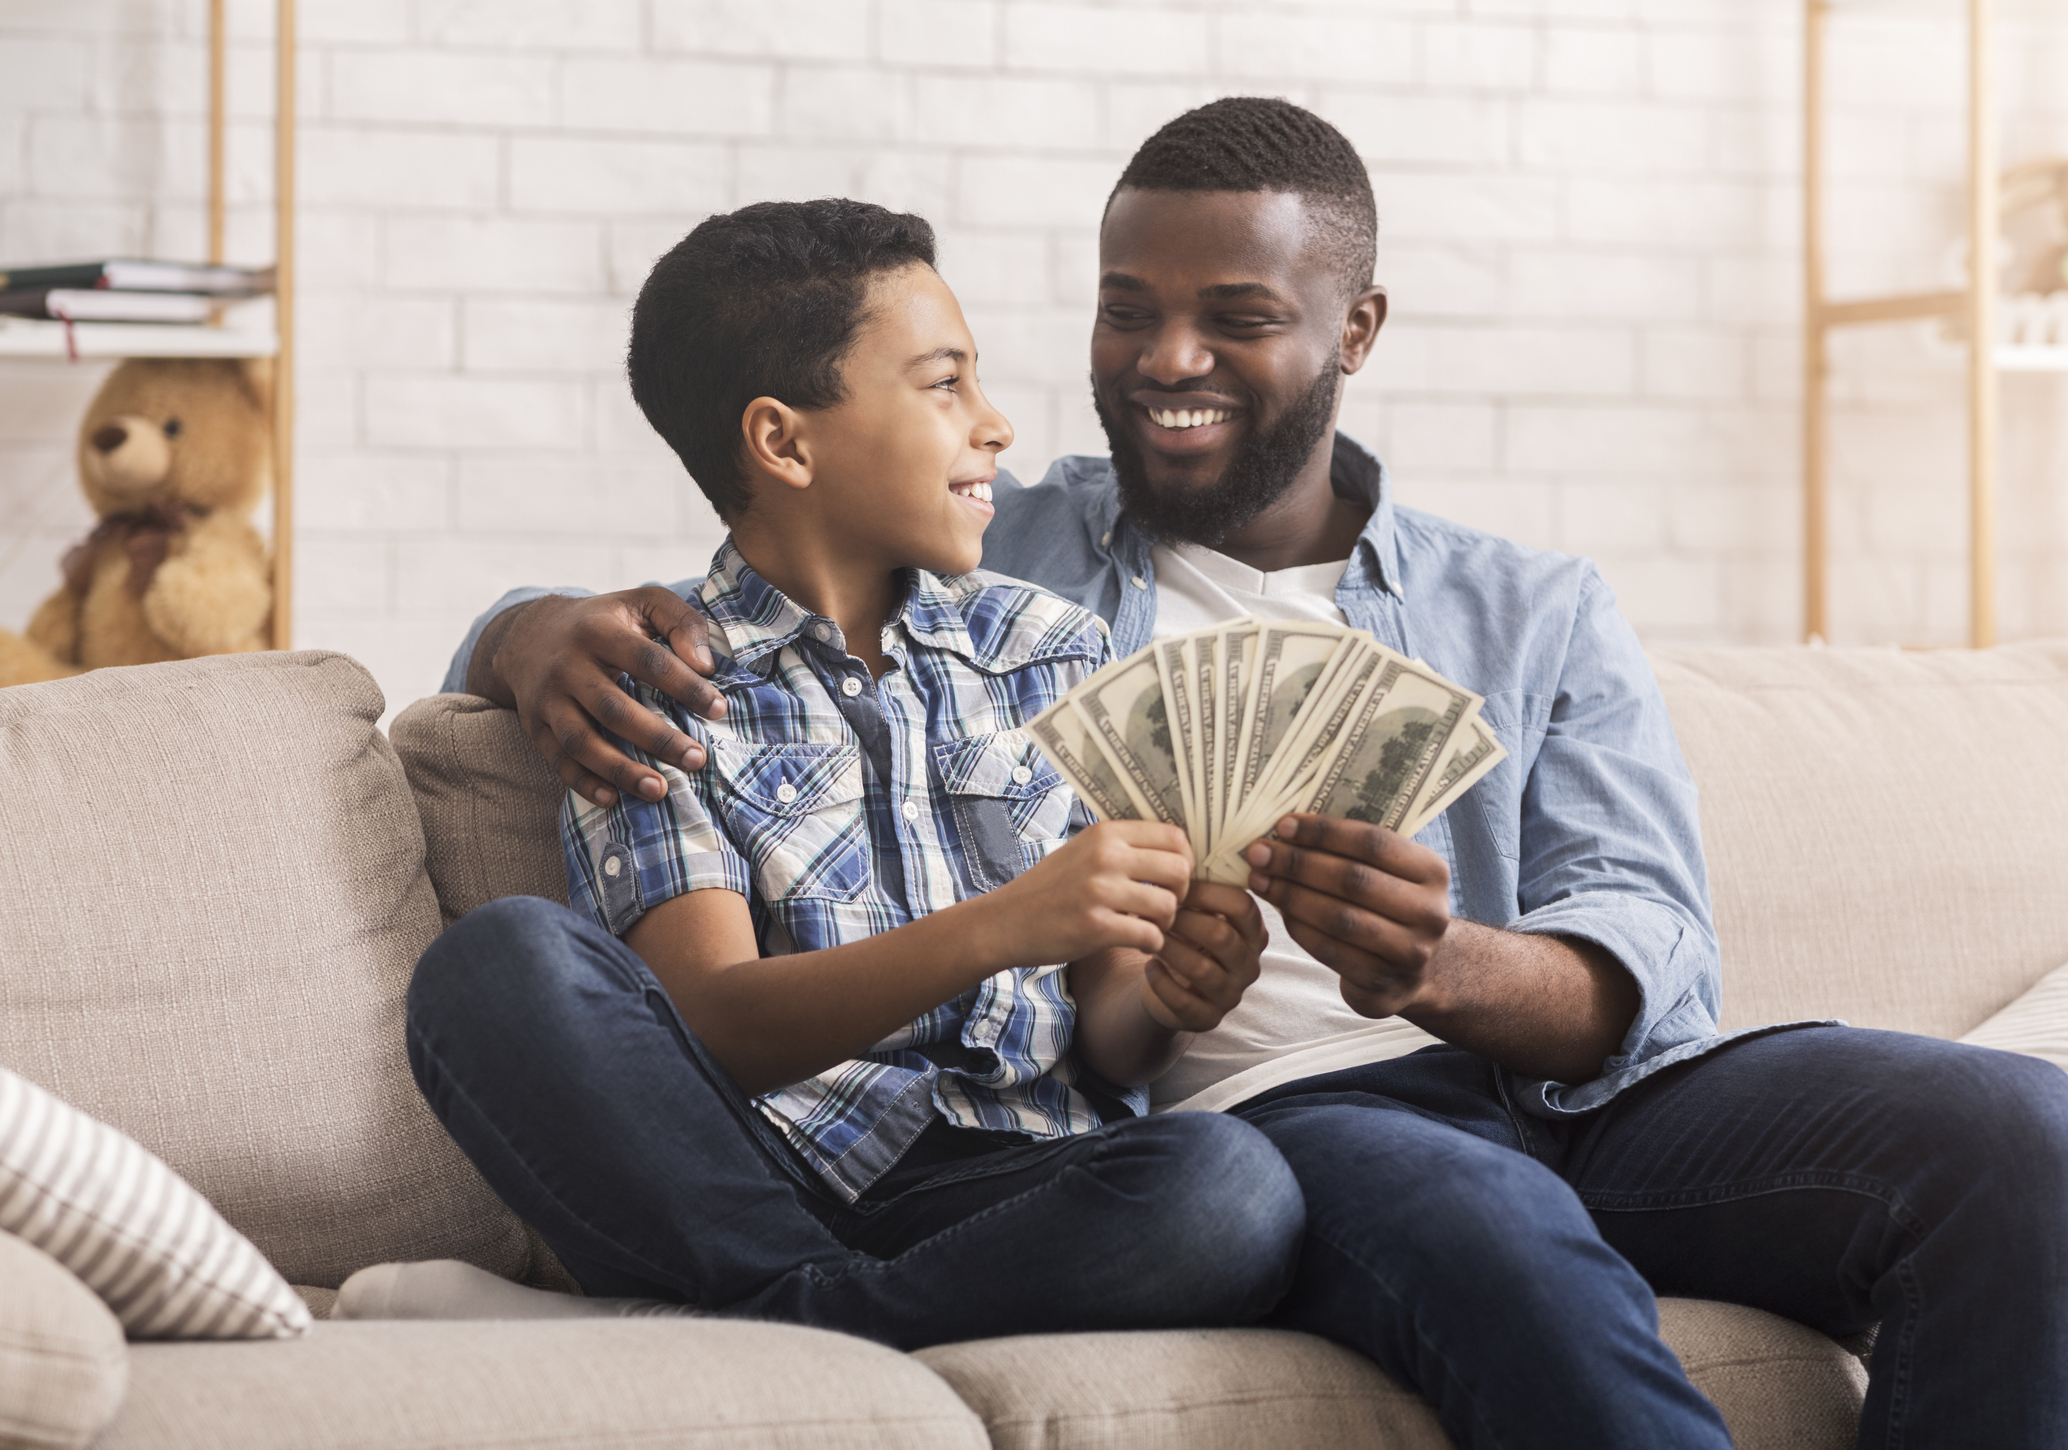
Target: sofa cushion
x,y
2036,1024
1885,829
133,1232
590,1383
1182,1389
490,807
62,1362
212,895
1780,1387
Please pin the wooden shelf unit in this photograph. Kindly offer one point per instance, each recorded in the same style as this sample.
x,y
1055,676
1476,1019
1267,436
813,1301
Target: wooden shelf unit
x,y
1977,306
35,338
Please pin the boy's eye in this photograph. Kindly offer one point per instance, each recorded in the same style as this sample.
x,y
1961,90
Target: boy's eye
x,y
949,383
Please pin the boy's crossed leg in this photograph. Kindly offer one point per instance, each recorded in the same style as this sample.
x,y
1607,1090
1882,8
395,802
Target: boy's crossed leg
x,y
556,1060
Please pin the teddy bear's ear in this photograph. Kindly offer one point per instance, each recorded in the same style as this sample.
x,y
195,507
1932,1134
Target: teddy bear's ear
x,y
258,376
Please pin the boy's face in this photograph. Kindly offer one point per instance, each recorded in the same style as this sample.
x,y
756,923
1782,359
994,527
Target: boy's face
x,y
906,460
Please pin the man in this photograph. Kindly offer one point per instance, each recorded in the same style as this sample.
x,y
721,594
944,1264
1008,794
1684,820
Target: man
x,y
1489,1217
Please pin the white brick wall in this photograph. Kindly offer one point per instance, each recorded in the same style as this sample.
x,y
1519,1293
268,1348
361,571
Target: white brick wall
x,y
1589,210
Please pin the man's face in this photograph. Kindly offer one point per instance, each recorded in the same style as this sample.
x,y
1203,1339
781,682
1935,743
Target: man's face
x,y
907,458
1217,355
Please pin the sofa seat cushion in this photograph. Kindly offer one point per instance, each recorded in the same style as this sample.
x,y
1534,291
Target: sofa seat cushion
x,y
1780,1387
591,1383
212,895
1884,828
62,1361
490,807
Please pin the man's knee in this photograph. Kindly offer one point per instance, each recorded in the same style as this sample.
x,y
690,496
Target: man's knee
x,y
1988,1115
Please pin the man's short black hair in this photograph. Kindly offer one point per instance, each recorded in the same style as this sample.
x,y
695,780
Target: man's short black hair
x,y
761,302
1262,143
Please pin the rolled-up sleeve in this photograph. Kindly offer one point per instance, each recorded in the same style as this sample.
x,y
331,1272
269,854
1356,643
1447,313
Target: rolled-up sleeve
x,y
1611,847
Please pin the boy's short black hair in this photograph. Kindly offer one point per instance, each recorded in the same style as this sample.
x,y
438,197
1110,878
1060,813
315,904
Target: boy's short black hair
x,y
763,301
1263,143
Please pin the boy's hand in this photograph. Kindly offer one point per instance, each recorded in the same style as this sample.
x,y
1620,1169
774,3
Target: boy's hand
x,y
1211,953
1115,885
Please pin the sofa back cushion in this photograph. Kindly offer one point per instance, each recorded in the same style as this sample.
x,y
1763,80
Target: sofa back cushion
x,y
490,806
212,894
1887,831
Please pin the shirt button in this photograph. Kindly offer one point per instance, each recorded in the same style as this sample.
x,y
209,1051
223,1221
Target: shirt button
x,y
1138,582
1021,775
850,687
611,866
823,631
911,810
786,792
1106,539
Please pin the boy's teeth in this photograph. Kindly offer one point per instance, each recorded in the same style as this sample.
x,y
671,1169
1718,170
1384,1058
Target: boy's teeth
x,y
974,490
1188,417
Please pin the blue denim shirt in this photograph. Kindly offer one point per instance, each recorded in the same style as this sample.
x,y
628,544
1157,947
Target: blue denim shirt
x,y
1588,829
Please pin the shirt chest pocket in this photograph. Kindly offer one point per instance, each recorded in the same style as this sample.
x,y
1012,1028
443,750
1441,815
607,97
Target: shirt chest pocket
x,y
1010,805
795,813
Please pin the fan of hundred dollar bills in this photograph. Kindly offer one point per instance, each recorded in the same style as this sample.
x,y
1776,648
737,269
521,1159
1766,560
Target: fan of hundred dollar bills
x,y
1223,731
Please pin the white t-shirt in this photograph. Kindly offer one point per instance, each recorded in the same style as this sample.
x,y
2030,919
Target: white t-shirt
x,y
1293,1022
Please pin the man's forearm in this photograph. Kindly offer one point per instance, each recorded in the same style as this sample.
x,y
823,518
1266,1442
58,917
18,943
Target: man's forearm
x,y
1547,1007
482,678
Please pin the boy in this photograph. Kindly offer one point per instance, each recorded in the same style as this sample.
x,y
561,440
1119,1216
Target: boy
x,y
870,1053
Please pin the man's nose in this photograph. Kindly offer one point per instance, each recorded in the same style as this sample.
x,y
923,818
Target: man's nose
x,y
1173,354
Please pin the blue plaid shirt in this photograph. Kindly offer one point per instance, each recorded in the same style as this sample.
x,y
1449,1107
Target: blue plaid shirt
x,y
842,806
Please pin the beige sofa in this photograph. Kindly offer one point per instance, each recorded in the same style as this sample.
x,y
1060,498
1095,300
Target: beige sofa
x,y
214,880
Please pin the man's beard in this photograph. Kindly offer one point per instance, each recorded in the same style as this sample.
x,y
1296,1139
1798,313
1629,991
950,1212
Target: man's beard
x,y
1264,466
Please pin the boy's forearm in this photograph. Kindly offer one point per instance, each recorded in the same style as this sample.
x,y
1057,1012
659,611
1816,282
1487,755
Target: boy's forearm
x,y
1116,1037
773,1021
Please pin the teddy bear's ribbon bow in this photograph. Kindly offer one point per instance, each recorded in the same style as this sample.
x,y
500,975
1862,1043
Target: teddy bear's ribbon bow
x,y
144,534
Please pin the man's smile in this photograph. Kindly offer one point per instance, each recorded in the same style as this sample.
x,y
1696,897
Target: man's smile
x,y
1184,423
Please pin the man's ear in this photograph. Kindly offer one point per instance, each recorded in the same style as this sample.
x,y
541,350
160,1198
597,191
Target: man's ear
x,y
1361,326
773,445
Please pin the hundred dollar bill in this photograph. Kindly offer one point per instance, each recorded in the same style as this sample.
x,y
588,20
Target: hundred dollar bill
x,y
1385,754
1292,659
1173,668
1235,649
1067,741
1470,758
1305,750
1126,711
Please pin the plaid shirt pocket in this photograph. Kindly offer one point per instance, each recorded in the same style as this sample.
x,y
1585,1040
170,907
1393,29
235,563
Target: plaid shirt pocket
x,y
795,812
1010,805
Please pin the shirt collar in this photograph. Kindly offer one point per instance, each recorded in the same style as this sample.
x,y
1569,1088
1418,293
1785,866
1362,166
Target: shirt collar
x,y
1354,473
756,619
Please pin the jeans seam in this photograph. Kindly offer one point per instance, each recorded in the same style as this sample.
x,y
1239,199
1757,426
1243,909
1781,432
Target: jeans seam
x,y
1756,1188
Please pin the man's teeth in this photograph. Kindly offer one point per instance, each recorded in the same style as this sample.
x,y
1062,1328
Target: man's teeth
x,y
974,490
1189,417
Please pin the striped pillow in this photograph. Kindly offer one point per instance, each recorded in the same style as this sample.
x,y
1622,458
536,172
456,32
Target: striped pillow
x,y
135,1231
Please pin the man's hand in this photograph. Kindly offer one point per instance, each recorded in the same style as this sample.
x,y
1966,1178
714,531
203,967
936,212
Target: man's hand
x,y
556,661
1116,884
1371,904
1211,953
1376,907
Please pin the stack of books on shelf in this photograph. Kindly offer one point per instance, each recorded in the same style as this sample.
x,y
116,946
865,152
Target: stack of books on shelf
x,y
125,290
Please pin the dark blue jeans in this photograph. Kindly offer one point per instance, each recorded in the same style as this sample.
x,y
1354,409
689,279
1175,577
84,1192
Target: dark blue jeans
x,y
1505,1266
559,1065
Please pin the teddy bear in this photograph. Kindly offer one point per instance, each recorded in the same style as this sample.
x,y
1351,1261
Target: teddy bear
x,y
174,455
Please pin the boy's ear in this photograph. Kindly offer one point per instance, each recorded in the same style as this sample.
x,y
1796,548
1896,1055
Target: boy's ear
x,y
773,444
